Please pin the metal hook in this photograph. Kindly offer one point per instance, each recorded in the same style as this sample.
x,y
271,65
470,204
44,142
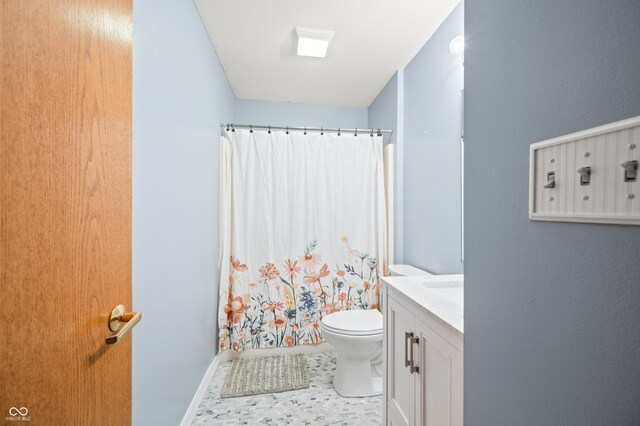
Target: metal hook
x,y
379,132
250,128
227,127
321,131
371,133
355,133
232,128
269,130
551,180
585,175
338,131
287,129
305,130
630,170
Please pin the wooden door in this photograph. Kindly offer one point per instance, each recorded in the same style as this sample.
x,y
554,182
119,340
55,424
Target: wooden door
x,y
439,390
400,381
65,193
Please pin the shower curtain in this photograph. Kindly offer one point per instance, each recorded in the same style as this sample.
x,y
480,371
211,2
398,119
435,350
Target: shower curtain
x,y
303,233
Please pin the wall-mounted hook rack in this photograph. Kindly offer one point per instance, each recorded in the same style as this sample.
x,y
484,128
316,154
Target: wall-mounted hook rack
x,y
605,186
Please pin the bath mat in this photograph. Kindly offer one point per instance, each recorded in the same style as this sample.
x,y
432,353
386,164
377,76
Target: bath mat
x,y
269,374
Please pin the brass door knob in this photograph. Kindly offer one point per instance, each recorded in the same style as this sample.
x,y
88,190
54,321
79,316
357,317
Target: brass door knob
x,y
121,322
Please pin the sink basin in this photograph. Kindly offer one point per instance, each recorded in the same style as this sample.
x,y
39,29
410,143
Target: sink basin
x,y
448,287
454,293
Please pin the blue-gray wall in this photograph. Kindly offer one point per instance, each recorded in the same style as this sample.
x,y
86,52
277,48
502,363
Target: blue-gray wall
x,y
432,153
552,310
385,113
180,95
290,114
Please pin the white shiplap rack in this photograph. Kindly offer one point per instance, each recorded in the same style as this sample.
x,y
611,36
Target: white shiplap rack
x,y
607,198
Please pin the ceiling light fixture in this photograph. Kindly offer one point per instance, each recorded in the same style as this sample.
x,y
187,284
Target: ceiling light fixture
x,y
312,42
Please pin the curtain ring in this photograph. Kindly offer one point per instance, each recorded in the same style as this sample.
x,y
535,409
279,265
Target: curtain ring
x,y
305,130
287,129
233,129
227,127
379,132
338,131
371,133
269,130
251,128
355,133
321,131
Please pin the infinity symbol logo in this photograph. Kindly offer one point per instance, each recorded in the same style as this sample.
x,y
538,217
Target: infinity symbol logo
x,y
22,411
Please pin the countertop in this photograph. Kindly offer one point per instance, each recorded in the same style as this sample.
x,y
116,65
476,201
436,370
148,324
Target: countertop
x,y
442,295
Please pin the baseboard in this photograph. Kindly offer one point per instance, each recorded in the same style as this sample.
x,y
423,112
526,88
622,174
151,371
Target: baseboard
x,y
229,355
190,415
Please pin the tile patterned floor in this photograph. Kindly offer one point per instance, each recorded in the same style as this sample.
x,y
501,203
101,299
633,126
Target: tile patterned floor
x,y
317,405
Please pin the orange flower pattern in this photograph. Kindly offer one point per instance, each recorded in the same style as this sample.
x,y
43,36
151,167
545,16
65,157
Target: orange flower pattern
x,y
235,264
269,272
280,309
292,268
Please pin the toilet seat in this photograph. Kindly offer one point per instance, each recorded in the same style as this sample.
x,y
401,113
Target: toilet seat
x,y
354,323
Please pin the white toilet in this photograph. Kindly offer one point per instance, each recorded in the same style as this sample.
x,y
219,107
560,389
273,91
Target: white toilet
x,y
357,337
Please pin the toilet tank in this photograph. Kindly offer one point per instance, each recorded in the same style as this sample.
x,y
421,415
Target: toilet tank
x,y
406,271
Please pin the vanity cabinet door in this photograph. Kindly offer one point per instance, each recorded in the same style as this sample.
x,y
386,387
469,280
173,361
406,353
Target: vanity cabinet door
x,y
400,381
439,395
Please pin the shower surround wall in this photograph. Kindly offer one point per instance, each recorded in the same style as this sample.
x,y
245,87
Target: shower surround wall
x,y
551,309
180,96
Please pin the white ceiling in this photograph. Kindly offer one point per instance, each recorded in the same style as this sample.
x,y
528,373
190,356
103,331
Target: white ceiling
x,y
255,42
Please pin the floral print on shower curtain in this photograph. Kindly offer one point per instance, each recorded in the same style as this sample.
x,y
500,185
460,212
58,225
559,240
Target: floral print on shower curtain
x,y
277,288
285,305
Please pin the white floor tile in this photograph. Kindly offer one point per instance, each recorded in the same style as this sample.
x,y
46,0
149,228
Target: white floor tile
x,y
317,405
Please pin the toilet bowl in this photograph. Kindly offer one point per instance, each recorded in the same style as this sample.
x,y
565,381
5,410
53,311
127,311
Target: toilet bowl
x,y
356,336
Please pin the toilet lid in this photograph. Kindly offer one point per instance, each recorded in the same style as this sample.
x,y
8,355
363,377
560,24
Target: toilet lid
x,y
355,322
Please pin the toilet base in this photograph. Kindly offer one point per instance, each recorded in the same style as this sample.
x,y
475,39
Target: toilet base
x,y
354,378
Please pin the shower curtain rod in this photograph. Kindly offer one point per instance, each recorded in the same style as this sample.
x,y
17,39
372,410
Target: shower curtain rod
x,y
231,126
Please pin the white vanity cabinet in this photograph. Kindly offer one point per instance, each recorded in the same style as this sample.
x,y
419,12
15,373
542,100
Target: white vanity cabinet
x,y
423,364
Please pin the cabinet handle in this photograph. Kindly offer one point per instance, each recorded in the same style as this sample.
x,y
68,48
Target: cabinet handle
x,y
413,341
408,335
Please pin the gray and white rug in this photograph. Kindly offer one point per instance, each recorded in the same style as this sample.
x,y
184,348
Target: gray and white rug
x,y
268,374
